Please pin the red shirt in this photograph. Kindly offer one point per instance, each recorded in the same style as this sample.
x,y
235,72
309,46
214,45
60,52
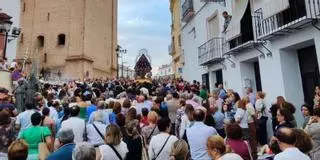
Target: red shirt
x,y
144,121
239,147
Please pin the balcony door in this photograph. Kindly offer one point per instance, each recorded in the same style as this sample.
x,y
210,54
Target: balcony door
x,y
309,72
213,27
205,80
219,77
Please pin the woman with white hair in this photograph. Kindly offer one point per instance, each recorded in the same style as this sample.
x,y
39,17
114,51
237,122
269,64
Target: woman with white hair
x,y
96,130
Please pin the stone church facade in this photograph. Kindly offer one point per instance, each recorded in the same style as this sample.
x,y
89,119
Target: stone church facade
x,y
71,39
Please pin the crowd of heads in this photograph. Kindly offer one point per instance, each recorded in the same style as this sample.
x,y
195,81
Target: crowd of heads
x,y
130,106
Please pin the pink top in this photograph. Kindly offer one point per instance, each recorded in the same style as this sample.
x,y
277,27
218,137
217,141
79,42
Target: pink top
x,y
193,103
239,147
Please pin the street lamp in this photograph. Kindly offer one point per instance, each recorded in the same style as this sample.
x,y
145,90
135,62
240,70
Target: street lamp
x,y
5,26
119,51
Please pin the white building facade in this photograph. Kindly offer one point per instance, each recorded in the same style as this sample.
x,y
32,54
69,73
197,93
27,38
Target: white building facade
x,y
125,72
164,71
270,46
201,28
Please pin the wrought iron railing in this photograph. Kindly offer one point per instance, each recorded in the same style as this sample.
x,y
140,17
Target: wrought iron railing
x,y
290,19
246,34
222,2
187,7
210,51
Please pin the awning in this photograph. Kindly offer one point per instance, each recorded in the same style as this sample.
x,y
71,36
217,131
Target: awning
x,y
238,9
273,7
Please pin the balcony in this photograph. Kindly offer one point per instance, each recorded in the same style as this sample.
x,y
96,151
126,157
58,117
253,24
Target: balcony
x,y
244,40
170,49
187,10
299,14
211,51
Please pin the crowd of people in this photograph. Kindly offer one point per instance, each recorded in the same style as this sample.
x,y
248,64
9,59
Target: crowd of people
x,y
163,120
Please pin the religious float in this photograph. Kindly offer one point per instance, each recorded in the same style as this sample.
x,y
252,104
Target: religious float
x,y
143,67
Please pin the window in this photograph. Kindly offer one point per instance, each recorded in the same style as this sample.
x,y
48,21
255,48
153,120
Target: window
x,y
213,27
179,40
48,16
21,38
40,41
45,58
61,39
193,33
173,42
24,7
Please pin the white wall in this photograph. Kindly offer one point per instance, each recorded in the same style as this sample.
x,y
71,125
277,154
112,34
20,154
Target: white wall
x,y
292,78
165,71
280,74
247,72
12,8
204,11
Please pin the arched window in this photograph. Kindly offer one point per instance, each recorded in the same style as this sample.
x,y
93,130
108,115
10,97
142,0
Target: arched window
x,y
45,58
21,38
24,7
40,41
48,16
61,39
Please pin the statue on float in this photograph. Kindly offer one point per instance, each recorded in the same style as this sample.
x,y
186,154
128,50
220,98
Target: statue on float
x,y
143,67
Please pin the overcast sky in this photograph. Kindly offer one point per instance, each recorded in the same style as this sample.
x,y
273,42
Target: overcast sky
x,y
141,24
11,7
145,24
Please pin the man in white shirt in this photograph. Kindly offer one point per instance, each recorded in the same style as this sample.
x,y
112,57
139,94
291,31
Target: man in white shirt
x,y
75,123
24,118
198,135
160,145
286,140
185,122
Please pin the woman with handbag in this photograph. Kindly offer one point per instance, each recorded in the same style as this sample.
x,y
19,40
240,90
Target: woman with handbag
x,y
96,130
38,138
252,122
160,145
241,118
151,129
133,139
262,117
115,148
179,150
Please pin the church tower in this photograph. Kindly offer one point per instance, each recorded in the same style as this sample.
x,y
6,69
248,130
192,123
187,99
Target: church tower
x,y
69,39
